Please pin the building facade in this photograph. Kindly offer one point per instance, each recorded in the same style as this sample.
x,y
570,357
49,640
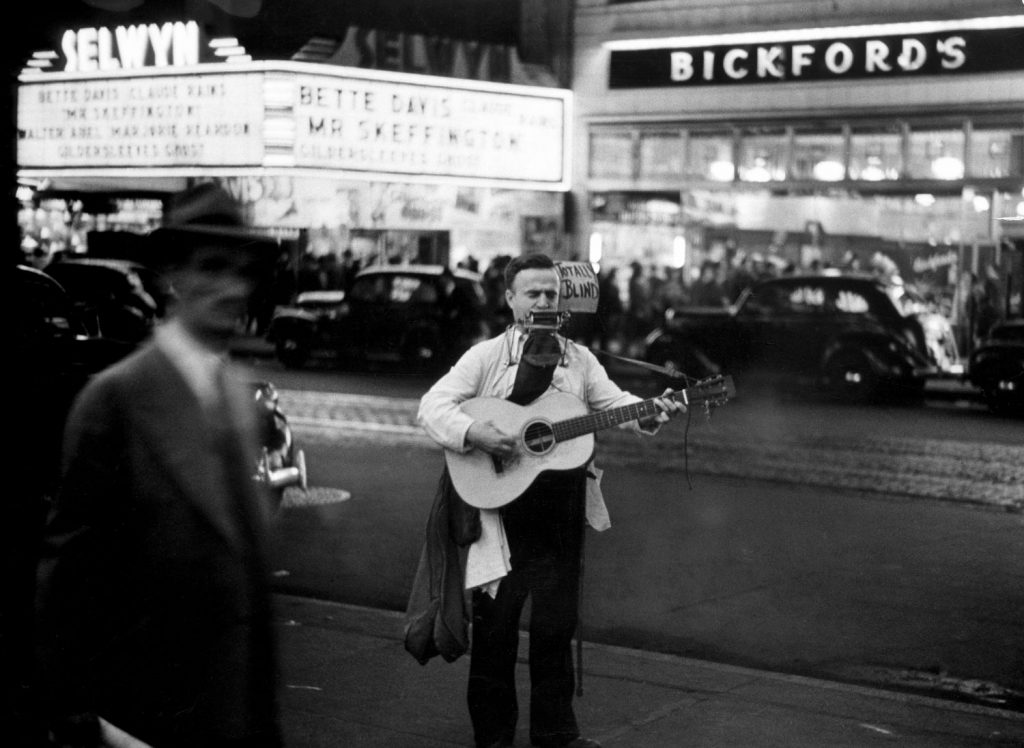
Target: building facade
x,y
803,134
388,144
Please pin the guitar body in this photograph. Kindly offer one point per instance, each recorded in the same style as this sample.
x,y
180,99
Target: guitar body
x,y
556,432
483,483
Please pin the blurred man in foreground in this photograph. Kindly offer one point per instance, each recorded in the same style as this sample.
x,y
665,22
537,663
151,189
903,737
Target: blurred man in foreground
x,y
154,619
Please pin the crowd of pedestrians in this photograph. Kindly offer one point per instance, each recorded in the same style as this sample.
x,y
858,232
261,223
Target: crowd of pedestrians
x,y
632,300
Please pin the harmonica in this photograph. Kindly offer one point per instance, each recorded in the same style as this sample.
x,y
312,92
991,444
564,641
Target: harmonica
x,y
545,320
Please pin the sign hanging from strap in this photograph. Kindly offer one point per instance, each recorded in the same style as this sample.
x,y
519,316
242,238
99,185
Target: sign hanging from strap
x,y
579,289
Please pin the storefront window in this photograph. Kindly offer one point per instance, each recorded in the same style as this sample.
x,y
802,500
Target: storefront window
x,y
819,156
709,156
875,155
763,157
611,155
661,154
936,154
997,153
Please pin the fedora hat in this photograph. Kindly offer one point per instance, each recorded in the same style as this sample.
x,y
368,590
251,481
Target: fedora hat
x,y
199,216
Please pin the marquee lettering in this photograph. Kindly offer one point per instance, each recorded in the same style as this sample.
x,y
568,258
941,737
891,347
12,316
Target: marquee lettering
x,y
826,59
91,50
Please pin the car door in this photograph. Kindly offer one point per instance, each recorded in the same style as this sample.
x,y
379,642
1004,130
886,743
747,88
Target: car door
x,y
363,336
756,340
804,329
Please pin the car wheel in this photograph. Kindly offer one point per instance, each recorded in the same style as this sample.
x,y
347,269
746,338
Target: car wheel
x,y
849,377
291,352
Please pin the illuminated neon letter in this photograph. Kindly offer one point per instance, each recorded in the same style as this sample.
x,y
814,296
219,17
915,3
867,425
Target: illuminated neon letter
x,y
838,58
913,56
952,51
768,59
729,63
801,58
681,66
875,53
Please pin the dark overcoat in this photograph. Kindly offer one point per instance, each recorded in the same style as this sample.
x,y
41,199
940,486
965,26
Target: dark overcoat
x,y
153,608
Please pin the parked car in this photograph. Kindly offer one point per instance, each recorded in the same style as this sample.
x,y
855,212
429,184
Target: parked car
x,y
51,336
996,366
117,299
417,316
55,354
857,337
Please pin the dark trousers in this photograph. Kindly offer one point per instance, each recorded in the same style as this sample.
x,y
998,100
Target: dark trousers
x,y
545,535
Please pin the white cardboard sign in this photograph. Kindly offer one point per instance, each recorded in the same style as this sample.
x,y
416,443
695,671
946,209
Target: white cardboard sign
x,y
579,287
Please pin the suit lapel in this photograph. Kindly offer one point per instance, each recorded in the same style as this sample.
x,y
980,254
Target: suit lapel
x,y
173,421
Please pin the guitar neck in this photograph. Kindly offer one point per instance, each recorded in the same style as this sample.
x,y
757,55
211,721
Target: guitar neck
x,y
605,419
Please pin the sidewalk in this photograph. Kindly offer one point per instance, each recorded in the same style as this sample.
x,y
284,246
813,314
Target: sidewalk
x,y
350,683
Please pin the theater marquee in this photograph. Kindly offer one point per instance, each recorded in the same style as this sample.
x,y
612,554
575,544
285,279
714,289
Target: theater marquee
x,y
879,51
223,120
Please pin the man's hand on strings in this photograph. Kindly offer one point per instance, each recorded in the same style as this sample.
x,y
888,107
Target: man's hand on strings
x,y
667,406
485,436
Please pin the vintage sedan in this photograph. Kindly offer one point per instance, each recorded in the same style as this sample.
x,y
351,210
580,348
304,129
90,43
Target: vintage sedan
x,y
996,367
115,298
419,317
856,337
57,352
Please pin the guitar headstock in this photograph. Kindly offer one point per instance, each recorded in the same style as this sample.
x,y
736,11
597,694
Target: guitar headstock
x,y
713,391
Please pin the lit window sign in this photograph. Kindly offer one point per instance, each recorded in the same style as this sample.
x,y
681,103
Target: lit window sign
x,y
130,47
141,121
890,50
374,125
293,117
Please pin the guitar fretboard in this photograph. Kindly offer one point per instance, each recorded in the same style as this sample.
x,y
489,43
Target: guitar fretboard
x,y
588,424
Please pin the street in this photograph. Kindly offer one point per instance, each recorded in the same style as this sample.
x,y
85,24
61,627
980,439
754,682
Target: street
x,y
884,551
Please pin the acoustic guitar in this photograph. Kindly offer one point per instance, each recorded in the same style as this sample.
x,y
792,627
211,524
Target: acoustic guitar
x,y
555,432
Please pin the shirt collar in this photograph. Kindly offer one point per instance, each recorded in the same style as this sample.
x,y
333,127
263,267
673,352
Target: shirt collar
x,y
196,363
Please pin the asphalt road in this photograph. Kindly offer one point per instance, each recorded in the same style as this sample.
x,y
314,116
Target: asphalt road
x,y
879,546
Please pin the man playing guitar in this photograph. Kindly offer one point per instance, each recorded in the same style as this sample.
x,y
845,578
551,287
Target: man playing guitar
x,y
530,546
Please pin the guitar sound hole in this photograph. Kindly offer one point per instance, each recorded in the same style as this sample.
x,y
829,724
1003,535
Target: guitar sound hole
x,y
538,437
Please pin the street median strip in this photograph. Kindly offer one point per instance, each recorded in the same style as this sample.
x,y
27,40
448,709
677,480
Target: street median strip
x,y
969,472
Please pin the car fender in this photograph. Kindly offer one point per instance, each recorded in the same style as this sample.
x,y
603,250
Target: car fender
x,y
291,322
986,363
886,356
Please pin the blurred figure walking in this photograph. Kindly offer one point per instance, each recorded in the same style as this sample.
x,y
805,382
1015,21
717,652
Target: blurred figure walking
x,y
154,618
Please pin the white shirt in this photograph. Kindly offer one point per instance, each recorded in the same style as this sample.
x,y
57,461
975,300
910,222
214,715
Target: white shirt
x,y
197,363
488,369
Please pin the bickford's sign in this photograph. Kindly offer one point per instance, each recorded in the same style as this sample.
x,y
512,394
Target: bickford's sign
x,y
789,56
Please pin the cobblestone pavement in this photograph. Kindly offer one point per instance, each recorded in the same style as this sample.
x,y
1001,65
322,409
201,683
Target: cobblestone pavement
x,y
981,473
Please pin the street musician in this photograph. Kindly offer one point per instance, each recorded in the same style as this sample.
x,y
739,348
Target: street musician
x,y
532,545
